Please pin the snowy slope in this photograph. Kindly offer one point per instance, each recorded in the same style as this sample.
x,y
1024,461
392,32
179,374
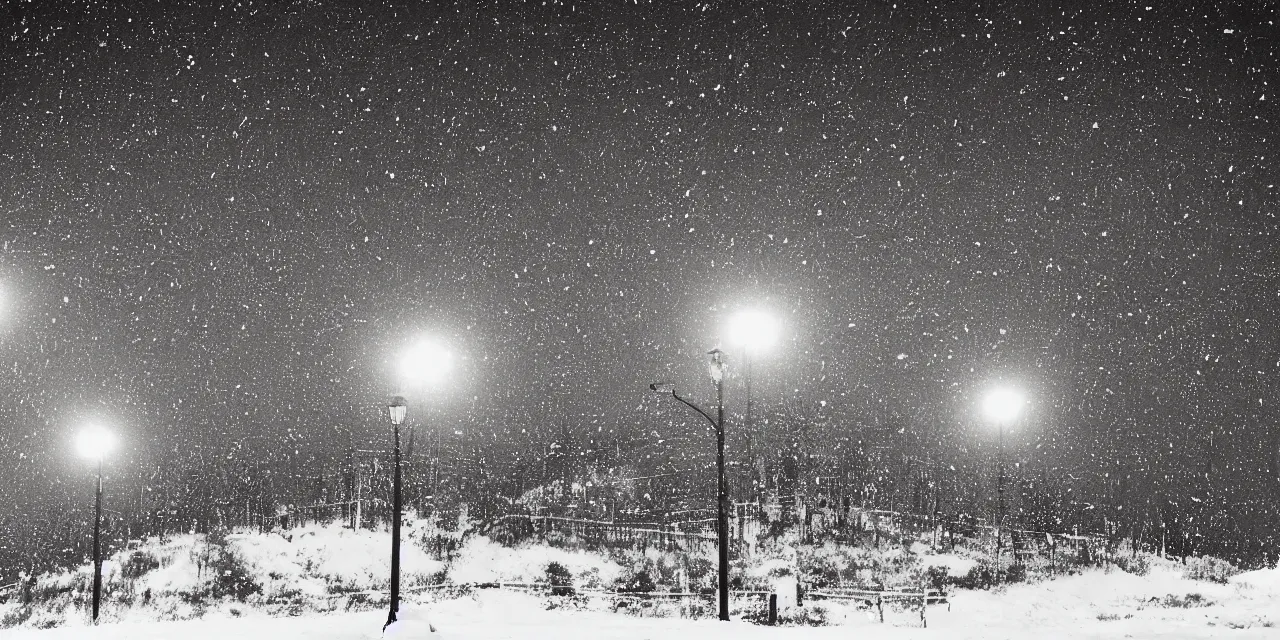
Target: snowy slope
x,y
313,568
314,574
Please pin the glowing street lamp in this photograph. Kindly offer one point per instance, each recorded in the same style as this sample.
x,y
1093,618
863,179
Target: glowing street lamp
x,y
94,443
715,366
396,410
753,331
425,363
1002,406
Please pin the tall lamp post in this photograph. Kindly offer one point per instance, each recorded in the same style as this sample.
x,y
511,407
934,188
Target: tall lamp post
x,y
752,331
425,363
1002,406
396,410
716,368
94,443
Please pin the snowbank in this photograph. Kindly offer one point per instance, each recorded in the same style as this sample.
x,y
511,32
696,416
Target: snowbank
x,y
956,565
317,561
1264,583
1112,603
482,560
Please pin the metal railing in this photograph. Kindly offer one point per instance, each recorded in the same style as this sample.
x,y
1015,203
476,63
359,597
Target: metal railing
x,y
916,600
878,599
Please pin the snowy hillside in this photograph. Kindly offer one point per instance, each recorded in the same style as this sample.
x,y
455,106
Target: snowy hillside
x,y
308,569
189,576
332,580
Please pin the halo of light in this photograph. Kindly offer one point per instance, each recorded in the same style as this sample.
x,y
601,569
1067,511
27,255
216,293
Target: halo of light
x,y
95,442
754,330
426,362
1002,405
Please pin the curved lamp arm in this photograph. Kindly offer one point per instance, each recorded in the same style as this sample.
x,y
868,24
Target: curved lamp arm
x,y
662,387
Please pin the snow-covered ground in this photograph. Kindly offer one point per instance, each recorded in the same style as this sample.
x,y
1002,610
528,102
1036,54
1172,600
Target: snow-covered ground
x,y
193,588
1095,604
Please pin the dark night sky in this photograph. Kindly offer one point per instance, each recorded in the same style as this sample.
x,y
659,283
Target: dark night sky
x,y
220,221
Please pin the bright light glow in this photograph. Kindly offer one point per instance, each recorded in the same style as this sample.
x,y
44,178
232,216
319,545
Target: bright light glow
x,y
754,330
95,443
427,362
1003,405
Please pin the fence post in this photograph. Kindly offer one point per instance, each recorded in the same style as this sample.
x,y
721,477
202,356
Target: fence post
x,y
924,606
1053,561
880,606
773,609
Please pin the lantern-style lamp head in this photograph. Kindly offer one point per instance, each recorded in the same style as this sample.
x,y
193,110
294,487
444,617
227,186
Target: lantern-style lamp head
x,y
716,365
397,409
1003,405
95,442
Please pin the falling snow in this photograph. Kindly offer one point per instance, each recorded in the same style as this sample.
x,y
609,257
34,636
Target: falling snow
x,y
221,223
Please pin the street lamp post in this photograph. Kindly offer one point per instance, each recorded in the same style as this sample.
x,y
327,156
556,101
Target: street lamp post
x,y
716,368
425,363
396,410
722,515
94,443
1002,406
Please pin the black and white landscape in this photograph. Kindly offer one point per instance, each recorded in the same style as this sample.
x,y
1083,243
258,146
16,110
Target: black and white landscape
x,y
980,295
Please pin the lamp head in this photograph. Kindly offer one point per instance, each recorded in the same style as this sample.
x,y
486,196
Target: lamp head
x,y
715,365
662,387
396,409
